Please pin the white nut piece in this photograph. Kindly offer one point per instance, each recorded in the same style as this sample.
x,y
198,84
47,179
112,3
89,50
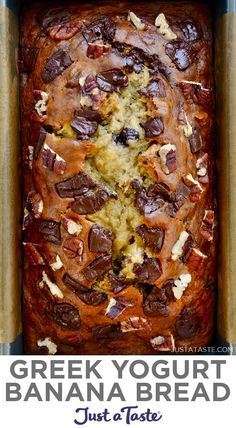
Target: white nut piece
x,y
57,264
190,181
31,156
52,347
136,21
163,152
179,245
181,284
72,227
164,28
40,105
54,289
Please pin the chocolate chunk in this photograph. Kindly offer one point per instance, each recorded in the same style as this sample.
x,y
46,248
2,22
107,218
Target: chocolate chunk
x,y
168,290
99,239
190,30
155,89
107,332
89,84
180,54
54,17
97,267
127,134
150,200
90,202
187,249
66,316
27,59
187,324
153,237
84,127
118,284
117,308
148,271
88,113
195,140
153,127
156,66
134,60
93,298
50,230
155,303
55,65
112,80
177,199
73,284
100,29
41,139
75,186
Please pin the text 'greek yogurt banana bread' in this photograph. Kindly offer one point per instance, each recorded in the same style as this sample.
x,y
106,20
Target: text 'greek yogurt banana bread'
x,y
119,217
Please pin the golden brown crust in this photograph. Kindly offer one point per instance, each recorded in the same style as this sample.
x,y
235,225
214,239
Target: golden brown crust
x,y
156,306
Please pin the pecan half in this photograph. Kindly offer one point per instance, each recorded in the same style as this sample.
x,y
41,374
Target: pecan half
x,y
73,248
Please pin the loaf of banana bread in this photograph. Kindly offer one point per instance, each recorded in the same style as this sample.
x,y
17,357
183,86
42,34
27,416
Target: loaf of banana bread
x,y
117,114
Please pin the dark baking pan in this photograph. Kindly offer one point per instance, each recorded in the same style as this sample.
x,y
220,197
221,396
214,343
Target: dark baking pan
x,y
224,18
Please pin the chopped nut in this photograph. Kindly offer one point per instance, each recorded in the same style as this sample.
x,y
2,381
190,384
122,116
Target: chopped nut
x,y
202,117
136,21
54,289
167,154
31,156
116,307
164,27
72,227
53,161
97,49
135,323
207,225
196,188
181,284
179,245
73,248
202,172
47,342
32,254
163,343
185,125
40,105
33,208
57,264
196,259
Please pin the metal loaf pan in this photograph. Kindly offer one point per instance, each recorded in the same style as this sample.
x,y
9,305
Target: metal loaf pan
x,y
224,21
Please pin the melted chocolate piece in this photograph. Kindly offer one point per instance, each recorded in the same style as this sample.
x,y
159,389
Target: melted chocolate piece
x,y
100,29
127,134
41,139
93,298
187,249
148,271
112,80
118,284
118,308
155,89
84,127
134,60
190,30
150,200
168,290
107,332
177,199
97,267
195,140
155,303
88,113
180,54
153,127
99,239
90,202
55,17
187,324
55,65
50,230
73,284
28,58
75,186
152,237
66,316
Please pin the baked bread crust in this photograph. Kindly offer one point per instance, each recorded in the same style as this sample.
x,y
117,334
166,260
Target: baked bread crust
x,y
119,220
